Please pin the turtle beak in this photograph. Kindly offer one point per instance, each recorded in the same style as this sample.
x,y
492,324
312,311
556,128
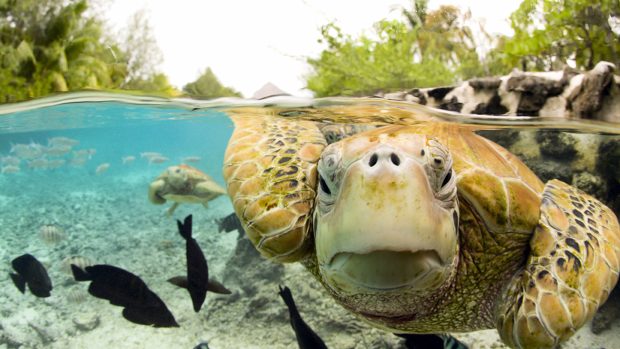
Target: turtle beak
x,y
386,230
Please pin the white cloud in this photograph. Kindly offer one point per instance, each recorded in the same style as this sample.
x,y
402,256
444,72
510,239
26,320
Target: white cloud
x,y
248,43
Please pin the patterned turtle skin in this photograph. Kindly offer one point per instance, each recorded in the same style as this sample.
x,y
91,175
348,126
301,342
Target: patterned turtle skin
x,y
183,184
423,227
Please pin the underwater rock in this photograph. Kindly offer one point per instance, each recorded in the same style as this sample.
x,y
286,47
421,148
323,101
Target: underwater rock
x,y
594,94
609,158
7,340
534,90
43,332
588,97
558,145
607,166
247,264
505,138
591,184
608,313
86,321
550,169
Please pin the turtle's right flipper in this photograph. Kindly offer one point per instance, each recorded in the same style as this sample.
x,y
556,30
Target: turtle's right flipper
x,y
572,268
172,209
153,192
270,170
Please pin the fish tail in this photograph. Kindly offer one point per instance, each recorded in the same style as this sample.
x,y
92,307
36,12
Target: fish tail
x,y
185,228
287,296
19,282
79,274
450,342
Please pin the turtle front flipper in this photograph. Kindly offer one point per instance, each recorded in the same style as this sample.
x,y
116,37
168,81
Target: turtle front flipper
x,y
154,189
172,209
572,268
270,170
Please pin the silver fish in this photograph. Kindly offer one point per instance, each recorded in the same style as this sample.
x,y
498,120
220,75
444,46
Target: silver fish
x,y
149,154
40,163
78,161
54,141
102,168
56,163
9,169
27,151
10,160
157,159
57,150
191,159
128,159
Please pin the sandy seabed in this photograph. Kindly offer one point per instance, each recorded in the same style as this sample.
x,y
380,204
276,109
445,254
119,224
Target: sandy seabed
x,y
111,221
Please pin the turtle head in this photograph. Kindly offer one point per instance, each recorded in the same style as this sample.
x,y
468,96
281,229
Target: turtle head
x,y
386,221
177,176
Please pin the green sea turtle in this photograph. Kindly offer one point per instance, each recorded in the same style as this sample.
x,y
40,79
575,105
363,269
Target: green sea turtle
x,y
423,228
183,184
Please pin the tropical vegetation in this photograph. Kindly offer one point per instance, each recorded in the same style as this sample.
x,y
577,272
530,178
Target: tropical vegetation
x,y
49,46
433,48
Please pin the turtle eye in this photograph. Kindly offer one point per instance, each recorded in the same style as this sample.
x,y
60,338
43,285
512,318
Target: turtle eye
x,y
324,186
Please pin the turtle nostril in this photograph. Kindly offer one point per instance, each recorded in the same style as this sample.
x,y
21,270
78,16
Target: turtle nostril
x,y
395,159
373,160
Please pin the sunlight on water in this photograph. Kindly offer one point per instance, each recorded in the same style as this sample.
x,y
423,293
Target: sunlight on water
x,y
76,170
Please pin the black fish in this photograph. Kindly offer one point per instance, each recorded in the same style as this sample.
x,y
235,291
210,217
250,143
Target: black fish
x,y
30,271
229,223
431,341
197,281
125,289
202,345
306,337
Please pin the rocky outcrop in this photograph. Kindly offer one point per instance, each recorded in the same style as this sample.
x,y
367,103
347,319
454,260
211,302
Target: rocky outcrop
x,y
594,94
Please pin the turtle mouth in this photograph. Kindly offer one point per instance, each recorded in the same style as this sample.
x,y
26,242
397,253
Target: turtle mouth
x,y
379,271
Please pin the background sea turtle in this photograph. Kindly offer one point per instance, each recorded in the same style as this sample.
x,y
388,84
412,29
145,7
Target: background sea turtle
x,y
424,228
184,184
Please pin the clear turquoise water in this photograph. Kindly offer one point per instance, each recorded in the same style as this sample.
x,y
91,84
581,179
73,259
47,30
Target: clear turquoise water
x,y
107,218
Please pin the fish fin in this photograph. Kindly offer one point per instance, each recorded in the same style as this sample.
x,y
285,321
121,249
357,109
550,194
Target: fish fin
x,y
79,274
19,282
185,228
217,287
229,223
180,281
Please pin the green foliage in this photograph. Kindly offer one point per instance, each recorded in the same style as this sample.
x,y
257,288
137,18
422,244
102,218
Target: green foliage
x,y
208,86
427,49
54,46
548,33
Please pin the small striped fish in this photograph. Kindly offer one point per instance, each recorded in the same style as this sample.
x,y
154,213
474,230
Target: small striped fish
x,y
52,234
76,295
79,261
